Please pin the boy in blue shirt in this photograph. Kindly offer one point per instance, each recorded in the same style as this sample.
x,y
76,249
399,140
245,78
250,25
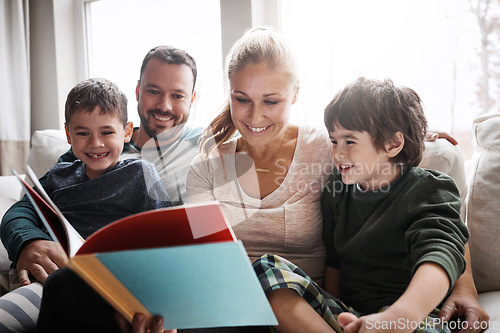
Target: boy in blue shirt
x,y
97,188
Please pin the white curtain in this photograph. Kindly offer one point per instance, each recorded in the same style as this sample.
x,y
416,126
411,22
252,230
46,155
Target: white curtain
x,y
14,85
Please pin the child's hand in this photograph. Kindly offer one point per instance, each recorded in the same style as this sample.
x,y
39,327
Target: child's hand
x,y
38,258
380,322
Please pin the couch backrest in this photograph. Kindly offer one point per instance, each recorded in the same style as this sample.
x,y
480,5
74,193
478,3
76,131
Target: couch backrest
x,y
483,203
46,147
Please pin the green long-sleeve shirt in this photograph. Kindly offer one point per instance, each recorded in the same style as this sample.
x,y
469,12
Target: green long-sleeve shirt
x,y
378,239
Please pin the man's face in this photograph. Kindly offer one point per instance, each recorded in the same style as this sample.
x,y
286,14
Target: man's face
x,y
164,96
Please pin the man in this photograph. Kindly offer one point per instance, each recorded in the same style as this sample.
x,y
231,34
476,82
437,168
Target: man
x,y
165,93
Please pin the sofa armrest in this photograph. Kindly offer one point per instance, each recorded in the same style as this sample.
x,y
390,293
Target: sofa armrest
x,y
483,210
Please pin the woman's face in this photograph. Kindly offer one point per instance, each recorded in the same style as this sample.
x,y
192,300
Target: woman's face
x,y
261,99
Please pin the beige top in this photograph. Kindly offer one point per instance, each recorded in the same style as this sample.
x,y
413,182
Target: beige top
x,y
288,221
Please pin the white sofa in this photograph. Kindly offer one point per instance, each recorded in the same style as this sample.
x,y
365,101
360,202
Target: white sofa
x,y
482,205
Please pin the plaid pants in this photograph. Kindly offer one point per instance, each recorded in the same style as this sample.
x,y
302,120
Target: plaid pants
x,y
275,272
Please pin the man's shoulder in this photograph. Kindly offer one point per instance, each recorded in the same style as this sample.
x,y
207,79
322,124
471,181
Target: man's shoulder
x,y
192,135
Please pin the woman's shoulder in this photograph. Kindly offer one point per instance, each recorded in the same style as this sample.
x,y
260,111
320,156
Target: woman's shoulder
x,y
311,134
228,147
314,143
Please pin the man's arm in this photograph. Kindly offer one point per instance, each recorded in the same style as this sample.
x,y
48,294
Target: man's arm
x,y
463,300
28,246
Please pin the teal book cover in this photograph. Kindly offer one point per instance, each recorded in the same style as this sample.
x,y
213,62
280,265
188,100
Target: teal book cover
x,y
191,286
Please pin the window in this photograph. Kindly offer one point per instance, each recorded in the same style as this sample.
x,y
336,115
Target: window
x,y
427,45
123,31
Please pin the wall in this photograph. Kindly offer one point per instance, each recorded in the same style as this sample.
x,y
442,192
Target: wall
x,y
55,68
237,16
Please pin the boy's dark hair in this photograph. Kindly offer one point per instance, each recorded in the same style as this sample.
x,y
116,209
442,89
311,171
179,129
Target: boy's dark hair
x,y
381,109
170,55
90,93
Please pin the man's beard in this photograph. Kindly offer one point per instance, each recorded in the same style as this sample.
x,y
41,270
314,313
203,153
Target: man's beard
x,y
165,134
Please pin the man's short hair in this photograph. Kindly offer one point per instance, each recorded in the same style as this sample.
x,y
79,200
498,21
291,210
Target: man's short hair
x,y
170,55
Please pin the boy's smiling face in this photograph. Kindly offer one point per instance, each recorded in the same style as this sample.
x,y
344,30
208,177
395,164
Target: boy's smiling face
x,y
97,139
359,162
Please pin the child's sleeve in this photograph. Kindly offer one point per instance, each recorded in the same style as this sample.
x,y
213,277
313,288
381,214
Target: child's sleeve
x,y
438,234
20,225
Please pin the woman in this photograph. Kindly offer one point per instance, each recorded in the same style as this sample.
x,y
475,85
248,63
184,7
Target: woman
x,y
268,180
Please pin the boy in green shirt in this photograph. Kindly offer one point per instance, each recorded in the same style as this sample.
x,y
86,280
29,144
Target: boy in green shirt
x,y
393,232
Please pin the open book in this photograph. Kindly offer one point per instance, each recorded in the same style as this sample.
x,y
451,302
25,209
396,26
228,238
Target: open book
x,y
183,263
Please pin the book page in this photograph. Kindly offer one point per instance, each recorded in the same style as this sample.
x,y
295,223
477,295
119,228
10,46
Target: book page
x,y
73,239
180,225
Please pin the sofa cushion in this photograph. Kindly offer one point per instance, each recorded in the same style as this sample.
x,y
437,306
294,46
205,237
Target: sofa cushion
x,y
483,210
46,147
490,303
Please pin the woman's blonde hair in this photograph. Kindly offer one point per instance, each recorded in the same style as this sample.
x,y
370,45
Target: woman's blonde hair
x,y
255,46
